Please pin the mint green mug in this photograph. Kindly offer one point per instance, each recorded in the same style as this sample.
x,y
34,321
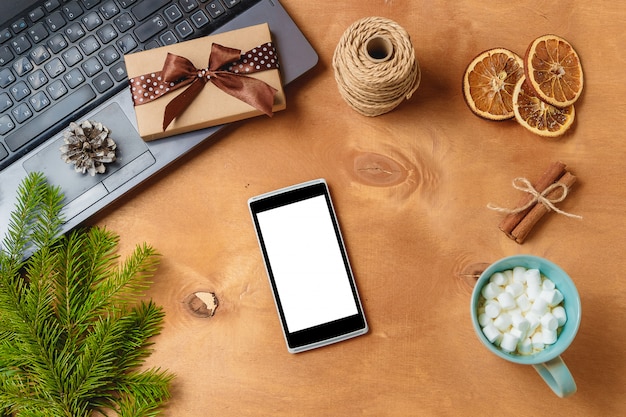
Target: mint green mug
x,y
547,362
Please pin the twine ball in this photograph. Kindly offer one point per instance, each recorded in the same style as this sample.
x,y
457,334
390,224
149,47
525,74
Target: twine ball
x,y
375,66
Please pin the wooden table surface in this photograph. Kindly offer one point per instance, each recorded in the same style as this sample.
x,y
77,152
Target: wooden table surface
x,y
411,189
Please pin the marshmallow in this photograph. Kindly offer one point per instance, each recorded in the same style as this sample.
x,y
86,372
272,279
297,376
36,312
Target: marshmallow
x,y
533,292
483,320
553,297
548,336
559,313
519,274
520,322
503,322
533,278
492,309
523,303
537,341
491,291
533,322
549,322
540,306
548,284
492,333
498,278
515,289
509,342
525,346
506,300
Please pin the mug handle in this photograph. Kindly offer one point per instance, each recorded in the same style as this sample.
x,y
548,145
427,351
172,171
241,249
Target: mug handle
x,y
557,376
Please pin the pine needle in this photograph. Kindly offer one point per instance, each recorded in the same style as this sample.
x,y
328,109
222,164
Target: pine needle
x,y
74,328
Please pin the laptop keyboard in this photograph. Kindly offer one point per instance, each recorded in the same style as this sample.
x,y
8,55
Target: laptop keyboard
x,y
64,58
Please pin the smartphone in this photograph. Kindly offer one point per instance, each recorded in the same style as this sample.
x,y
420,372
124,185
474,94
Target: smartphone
x,y
307,266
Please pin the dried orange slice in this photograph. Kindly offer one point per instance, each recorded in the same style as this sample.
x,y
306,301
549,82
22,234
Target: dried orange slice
x,y
554,71
538,116
489,81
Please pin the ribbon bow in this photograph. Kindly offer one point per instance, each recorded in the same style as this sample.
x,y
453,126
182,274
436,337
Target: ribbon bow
x,y
226,70
523,184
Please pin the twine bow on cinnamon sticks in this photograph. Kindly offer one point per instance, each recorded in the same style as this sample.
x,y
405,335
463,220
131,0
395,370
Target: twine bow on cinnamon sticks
x,y
551,188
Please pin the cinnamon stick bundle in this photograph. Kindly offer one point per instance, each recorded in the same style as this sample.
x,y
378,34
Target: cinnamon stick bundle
x,y
523,228
554,172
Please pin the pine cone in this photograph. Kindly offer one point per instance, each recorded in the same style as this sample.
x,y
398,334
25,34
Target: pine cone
x,y
88,146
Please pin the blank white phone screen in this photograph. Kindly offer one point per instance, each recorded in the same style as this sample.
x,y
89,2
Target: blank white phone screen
x,y
306,263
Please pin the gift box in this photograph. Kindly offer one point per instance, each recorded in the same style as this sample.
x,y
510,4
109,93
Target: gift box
x,y
205,82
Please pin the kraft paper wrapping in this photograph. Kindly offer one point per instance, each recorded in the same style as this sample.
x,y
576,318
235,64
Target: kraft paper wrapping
x,y
212,106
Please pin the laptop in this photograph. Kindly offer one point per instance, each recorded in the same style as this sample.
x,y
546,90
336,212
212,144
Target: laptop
x,y
62,61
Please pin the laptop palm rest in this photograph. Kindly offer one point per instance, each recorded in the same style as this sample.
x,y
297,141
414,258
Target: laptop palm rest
x,y
133,156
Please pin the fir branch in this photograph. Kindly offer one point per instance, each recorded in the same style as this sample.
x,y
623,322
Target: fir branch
x,y
73,338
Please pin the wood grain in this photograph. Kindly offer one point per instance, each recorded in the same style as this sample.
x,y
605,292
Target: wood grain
x,y
411,189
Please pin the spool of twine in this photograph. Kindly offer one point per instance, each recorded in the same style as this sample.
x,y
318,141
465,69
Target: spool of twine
x,y
375,66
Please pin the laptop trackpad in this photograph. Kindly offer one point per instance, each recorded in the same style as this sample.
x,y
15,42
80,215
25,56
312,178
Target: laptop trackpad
x,y
133,157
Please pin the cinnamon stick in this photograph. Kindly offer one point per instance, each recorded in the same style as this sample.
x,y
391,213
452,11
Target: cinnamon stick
x,y
550,176
524,227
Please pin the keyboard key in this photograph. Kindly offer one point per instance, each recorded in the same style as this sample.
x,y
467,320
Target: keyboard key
x,y
109,9
102,82
168,38
74,32
72,56
6,77
89,45
188,5
147,8
92,21
5,55
172,13
22,113
124,22
39,124
118,71
107,33
74,78
126,44
20,44
6,125
39,54
57,43
5,102
109,55
36,14
19,25
54,68
126,3
55,21
39,101
22,66
150,28
72,10
37,79
19,90
50,5
91,66
90,3
5,35
231,3
215,9
56,89
199,19
38,32
184,29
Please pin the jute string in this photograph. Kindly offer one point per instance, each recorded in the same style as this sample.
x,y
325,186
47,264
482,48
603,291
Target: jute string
x,y
524,185
374,82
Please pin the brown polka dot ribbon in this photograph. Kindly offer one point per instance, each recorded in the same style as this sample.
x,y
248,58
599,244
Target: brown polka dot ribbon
x,y
226,70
